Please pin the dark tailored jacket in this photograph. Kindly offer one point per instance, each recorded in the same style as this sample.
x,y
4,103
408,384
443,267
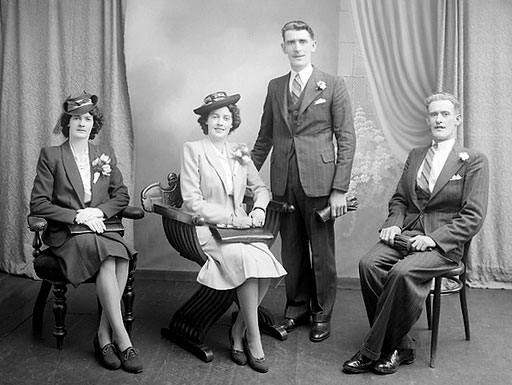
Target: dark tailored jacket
x,y
322,113
58,191
456,209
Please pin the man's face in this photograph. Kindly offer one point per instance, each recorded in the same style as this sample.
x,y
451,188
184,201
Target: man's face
x,y
443,120
298,46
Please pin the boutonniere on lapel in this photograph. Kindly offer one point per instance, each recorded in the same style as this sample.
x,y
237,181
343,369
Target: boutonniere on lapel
x,y
101,166
463,156
242,154
320,85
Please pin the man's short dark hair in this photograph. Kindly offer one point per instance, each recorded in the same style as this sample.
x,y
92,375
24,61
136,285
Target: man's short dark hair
x,y
297,25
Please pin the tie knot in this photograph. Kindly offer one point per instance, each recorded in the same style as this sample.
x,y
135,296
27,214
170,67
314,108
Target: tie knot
x,y
435,145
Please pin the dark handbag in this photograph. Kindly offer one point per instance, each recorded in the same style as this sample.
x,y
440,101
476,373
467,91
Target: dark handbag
x,y
112,225
229,234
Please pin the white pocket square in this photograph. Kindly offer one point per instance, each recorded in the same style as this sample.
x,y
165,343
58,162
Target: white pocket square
x,y
320,101
455,177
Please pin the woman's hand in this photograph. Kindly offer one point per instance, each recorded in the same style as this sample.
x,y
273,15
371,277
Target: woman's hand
x,y
96,225
242,222
87,214
258,218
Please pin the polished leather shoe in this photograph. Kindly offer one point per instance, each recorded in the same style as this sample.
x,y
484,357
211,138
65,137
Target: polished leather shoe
x,y
359,363
292,323
320,331
389,363
106,355
257,364
237,356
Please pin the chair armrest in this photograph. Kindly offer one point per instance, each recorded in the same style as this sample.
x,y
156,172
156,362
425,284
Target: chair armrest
x,y
132,212
37,223
178,215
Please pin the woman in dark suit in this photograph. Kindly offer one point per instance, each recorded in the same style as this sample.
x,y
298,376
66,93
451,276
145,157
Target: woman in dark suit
x,y
214,176
79,183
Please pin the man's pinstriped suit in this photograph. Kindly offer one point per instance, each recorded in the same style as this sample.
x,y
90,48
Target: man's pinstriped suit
x,y
395,286
305,167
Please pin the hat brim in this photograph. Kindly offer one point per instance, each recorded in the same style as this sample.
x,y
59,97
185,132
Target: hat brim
x,y
206,108
84,109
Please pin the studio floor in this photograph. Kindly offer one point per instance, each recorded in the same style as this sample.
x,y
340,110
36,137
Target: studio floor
x,y
26,358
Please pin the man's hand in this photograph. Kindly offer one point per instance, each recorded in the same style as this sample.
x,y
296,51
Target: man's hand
x,y
422,242
387,235
338,203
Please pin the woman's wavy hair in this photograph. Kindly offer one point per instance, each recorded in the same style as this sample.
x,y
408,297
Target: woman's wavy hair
x,y
96,126
235,114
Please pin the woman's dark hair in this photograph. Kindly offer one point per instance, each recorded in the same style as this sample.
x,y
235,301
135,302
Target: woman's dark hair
x,y
96,126
235,114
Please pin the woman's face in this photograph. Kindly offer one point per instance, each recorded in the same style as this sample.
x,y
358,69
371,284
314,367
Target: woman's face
x,y
219,124
80,126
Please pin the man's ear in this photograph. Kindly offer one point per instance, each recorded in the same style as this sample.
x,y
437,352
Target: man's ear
x,y
313,46
458,119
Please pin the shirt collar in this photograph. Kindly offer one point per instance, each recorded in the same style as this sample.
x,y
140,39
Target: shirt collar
x,y
445,146
304,74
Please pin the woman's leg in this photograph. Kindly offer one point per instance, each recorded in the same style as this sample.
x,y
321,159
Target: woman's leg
x,y
248,297
110,284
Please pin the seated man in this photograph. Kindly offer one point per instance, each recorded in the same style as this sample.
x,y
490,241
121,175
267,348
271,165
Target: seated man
x,y
441,202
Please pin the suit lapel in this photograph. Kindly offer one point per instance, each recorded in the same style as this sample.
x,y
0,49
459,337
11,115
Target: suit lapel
x,y
94,152
452,165
212,158
310,91
414,166
282,99
72,172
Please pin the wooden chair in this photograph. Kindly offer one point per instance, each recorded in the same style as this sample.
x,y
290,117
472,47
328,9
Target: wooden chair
x,y
190,324
46,266
457,280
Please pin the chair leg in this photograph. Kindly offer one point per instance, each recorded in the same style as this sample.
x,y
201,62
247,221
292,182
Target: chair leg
x,y
435,321
59,312
193,320
464,307
38,313
428,305
128,299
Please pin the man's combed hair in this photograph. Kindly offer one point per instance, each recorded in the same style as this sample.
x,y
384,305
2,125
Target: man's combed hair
x,y
443,96
297,25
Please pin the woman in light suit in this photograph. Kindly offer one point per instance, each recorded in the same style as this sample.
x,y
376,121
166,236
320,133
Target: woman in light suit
x,y
79,183
214,176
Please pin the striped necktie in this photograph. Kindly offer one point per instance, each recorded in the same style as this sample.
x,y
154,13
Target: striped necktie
x,y
296,88
424,178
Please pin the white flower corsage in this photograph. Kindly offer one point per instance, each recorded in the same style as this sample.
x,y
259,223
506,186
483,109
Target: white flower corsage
x,y
463,156
101,166
242,154
320,85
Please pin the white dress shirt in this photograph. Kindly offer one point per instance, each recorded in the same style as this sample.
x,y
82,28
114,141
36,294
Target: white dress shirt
x,y
440,155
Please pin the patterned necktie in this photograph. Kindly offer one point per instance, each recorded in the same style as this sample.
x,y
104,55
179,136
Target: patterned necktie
x,y
423,180
296,88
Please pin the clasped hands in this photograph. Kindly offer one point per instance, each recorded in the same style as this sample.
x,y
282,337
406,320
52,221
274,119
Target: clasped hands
x,y
91,217
256,218
418,242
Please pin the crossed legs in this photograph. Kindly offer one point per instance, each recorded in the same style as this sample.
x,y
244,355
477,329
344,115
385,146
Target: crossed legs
x,y
250,295
110,284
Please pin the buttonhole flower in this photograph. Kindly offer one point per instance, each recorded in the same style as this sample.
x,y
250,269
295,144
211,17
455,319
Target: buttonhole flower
x,y
101,166
320,85
463,156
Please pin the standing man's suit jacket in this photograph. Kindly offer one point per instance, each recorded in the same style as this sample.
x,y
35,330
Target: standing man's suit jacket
x,y
325,110
457,206
58,191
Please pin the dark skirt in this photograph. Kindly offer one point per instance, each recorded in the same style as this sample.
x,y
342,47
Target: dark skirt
x,y
81,255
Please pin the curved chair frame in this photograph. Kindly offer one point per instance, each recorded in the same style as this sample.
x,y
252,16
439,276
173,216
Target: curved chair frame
x,y
191,323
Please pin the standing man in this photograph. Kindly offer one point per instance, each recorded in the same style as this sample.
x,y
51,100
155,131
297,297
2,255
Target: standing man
x,y
304,111
440,203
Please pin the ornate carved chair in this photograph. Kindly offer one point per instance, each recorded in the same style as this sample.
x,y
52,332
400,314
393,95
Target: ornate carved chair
x,y
190,324
48,269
